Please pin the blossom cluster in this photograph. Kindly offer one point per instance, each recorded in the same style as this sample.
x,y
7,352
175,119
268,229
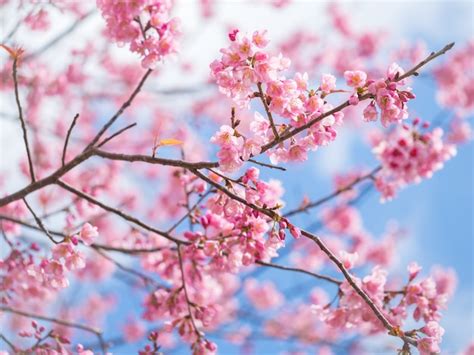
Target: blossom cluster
x,y
145,24
408,155
387,92
231,236
428,295
23,276
234,234
245,72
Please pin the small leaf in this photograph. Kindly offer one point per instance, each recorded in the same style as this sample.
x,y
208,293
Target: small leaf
x,y
15,53
169,141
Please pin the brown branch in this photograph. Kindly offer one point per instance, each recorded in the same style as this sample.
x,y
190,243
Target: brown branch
x,y
271,166
287,268
95,245
186,295
334,194
152,160
71,127
188,213
51,179
146,279
22,119
9,343
118,212
40,223
116,134
121,110
433,55
86,154
129,251
65,323
30,226
263,97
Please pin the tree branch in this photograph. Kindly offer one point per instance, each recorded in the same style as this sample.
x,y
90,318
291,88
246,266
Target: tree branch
x,y
73,123
154,160
332,195
118,212
267,109
22,119
121,110
287,268
40,223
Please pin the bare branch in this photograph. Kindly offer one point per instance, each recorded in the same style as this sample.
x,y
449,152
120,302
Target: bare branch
x,y
154,160
287,268
271,166
40,223
186,295
334,194
116,134
22,119
146,279
71,127
267,109
117,212
433,55
121,110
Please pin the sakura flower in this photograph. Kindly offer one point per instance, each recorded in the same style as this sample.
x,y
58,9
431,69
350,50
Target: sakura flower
x,y
328,83
88,234
356,78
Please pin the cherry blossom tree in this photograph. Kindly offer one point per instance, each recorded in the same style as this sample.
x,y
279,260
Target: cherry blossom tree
x,y
107,183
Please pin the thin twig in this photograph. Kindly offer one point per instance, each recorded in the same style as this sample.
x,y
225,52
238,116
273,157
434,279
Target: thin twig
x,y
287,268
122,108
116,134
267,109
186,295
333,194
433,55
152,160
117,212
22,119
188,214
9,343
271,166
146,279
40,223
71,127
